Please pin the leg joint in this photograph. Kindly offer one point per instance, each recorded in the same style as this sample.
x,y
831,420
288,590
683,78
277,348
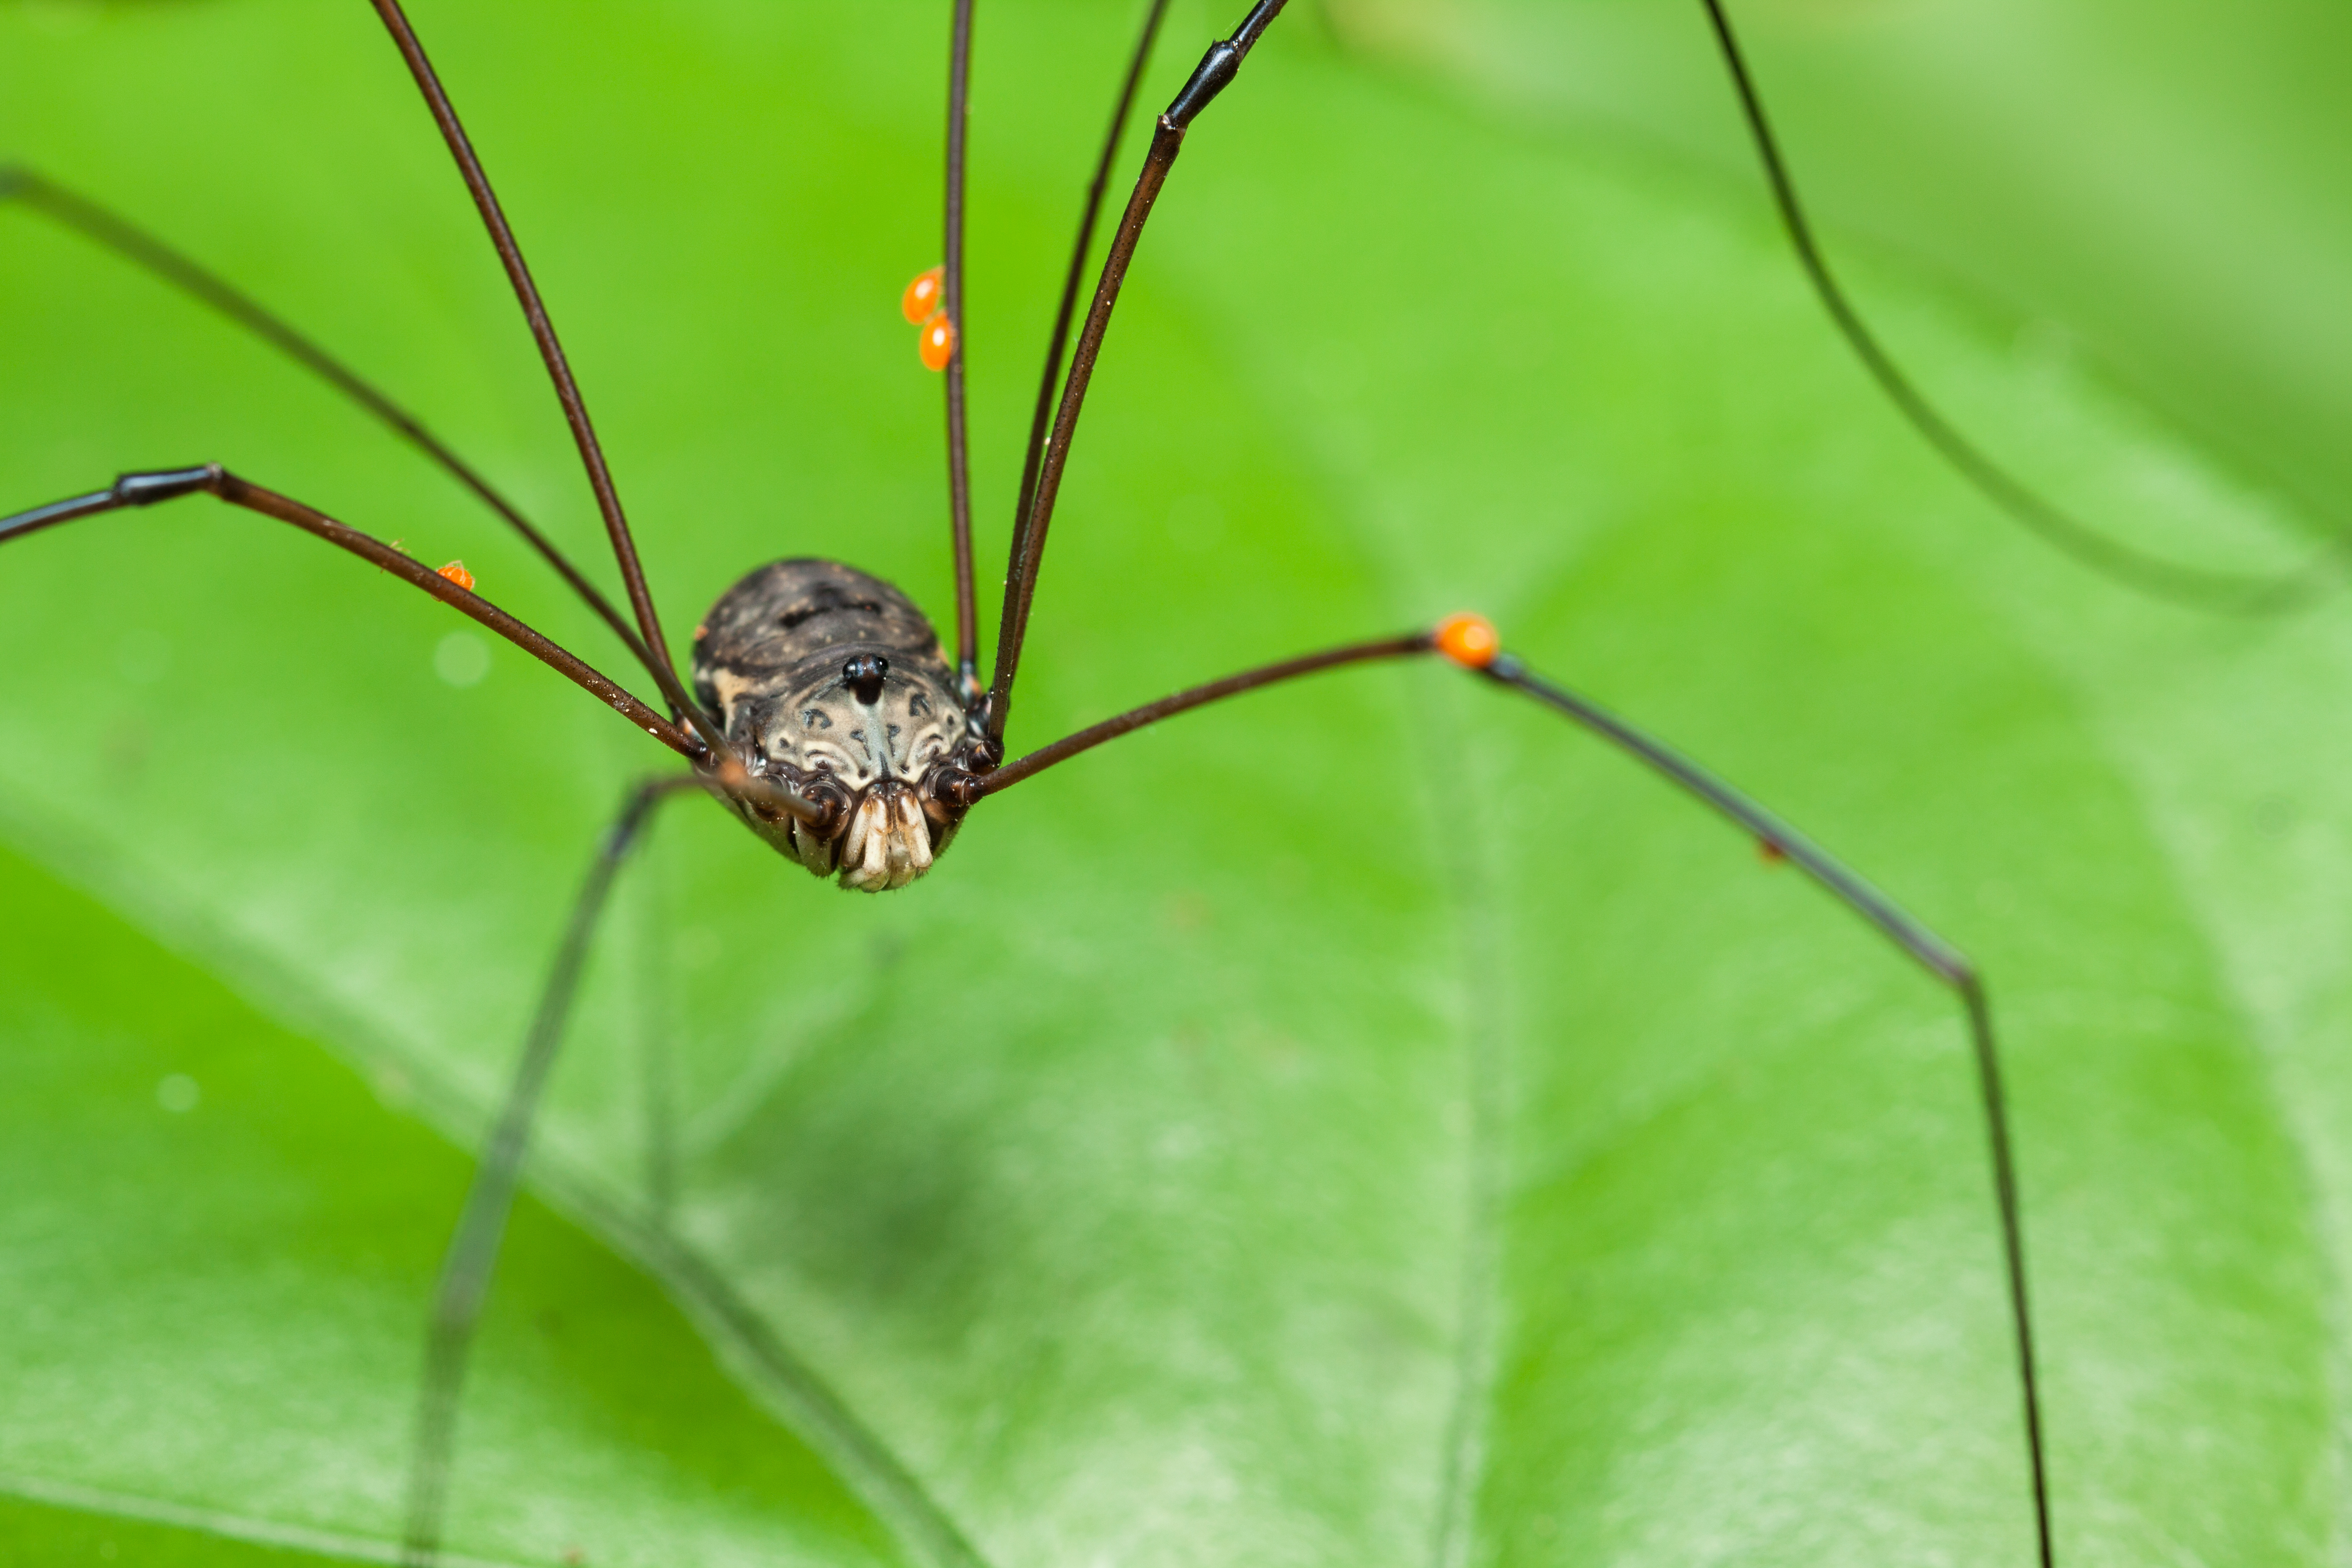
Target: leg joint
x,y
166,484
1216,70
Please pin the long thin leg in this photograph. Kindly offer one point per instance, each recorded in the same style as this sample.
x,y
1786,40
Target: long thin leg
x,y
2231,593
1067,310
474,1249
1470,643
952,301
147,489
1209,77
1931,952
136,246
559,369
1135,719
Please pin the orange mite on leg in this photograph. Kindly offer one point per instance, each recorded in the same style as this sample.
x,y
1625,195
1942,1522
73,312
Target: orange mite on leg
x,y
938,341
456,571
1468,640
922,296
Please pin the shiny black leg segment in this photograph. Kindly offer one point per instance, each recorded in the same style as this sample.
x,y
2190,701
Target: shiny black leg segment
x,y
142,490
142,249
1215,71
2227,593
1931,952
131,489
474,1249
1939,958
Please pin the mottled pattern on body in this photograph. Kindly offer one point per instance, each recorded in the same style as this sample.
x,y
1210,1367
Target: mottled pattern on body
x,y
769,663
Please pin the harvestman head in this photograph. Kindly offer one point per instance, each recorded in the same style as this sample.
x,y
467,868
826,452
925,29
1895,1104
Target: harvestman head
x,y
824,711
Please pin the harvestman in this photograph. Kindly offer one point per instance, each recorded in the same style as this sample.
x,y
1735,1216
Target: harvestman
x,y
824,711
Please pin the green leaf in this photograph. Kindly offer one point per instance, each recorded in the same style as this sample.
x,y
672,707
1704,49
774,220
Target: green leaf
x,y
1369,1123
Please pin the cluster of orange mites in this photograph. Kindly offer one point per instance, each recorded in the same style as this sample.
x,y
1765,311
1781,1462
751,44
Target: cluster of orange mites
x,y
921,304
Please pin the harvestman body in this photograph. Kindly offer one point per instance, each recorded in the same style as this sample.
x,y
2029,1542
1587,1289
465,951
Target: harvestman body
x,y
829,681
824,712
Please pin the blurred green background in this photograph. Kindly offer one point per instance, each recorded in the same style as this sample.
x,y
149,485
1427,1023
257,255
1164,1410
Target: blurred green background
x,y
1366,1125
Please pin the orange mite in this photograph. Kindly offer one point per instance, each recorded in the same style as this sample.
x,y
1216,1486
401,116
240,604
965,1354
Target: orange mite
x,y
922,296
1468,640
1771,854
938,341
456,571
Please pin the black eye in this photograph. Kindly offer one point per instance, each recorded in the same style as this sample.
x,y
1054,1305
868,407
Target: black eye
x,y
863,676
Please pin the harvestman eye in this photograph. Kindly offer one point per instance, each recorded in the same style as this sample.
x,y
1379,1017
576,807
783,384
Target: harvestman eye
x,y
799,629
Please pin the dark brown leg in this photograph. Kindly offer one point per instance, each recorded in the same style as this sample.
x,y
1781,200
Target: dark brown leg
x,y
1209,77
144,490
1066,310
1135,719
559,369
474,1249
1470,642
140,249
952,301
